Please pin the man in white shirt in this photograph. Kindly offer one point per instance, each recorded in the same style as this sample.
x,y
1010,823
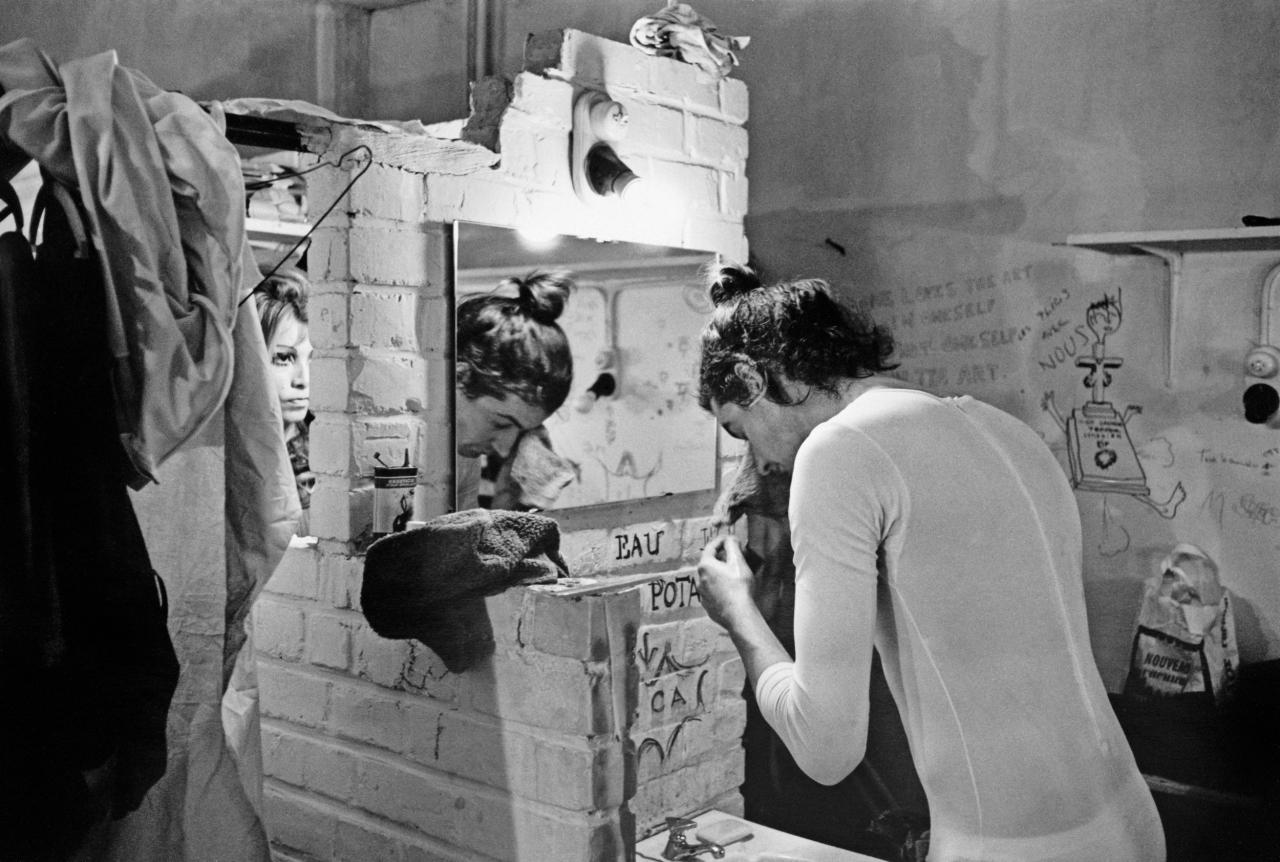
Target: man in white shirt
x,y
942,533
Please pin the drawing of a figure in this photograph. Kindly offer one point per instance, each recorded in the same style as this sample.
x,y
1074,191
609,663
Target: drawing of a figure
x,y
1101,453
628,477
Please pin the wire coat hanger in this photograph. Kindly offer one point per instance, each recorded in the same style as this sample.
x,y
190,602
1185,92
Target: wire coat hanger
x,y
349,154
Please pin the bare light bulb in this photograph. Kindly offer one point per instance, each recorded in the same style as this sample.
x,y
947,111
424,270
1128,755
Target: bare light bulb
x,y
608,174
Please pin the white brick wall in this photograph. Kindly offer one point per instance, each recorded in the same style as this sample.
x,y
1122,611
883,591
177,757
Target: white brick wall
x,y
611,700
579,684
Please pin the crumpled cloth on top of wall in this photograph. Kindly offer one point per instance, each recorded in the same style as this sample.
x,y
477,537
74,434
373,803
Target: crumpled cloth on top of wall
x,y
680,32
429,584
165,199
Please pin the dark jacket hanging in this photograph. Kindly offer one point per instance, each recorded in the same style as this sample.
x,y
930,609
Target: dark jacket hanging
x,y
86,658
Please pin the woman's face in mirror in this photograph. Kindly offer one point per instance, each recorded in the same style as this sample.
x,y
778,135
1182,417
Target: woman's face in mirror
x,y
290,353
486,424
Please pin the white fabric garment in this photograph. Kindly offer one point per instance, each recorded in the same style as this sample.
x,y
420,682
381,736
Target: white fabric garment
x,y
165,199
216,527
945,533
199,811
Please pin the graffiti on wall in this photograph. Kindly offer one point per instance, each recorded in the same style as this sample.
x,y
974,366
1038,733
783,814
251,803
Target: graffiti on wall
x,y
673,684
1101,452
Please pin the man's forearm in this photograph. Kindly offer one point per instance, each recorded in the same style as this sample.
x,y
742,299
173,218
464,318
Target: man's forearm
x,y
758,646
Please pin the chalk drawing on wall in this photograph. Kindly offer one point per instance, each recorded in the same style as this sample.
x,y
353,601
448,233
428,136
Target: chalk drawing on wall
x,y
651,743
672,683
650,437
681,692
1102,455
666,662
634,481
1115,538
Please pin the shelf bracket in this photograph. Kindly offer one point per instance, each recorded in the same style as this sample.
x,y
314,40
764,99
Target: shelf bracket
x,y
1269,313
1172,259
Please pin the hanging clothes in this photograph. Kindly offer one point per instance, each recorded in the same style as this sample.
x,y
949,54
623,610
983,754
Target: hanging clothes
x,y
86,655
185,378
165,200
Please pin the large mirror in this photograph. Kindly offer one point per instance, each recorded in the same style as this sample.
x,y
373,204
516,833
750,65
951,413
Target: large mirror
x,y
631,427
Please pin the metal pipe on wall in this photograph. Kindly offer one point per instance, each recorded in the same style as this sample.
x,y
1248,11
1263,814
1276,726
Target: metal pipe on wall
x,y
486,30
342,58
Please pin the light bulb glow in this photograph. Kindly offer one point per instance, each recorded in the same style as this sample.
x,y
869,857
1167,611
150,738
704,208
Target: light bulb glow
x,y
537,236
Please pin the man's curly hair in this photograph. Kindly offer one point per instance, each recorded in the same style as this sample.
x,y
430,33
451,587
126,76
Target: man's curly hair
x,y
794,329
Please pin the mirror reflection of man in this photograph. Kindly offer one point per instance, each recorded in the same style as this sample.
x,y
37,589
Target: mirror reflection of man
x,y
514,369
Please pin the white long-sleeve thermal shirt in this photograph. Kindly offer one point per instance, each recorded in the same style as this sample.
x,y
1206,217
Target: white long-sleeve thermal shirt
x,y
943,533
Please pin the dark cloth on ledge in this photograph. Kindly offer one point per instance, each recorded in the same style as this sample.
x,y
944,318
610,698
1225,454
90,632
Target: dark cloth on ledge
x,y
429,584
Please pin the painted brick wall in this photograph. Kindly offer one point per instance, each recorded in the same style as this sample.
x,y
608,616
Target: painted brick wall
x,y
611,701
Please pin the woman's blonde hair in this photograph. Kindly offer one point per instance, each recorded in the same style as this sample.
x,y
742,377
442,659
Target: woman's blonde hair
x,y
282,293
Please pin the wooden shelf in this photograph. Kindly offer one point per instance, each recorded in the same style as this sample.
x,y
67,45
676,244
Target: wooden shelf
x,y
1171,246
1180,241
268,230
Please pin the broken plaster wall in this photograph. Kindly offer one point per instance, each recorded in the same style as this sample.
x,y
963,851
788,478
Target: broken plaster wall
x,y
611,701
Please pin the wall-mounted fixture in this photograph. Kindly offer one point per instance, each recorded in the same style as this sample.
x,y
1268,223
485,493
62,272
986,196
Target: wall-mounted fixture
x,y
1262,363
598,123
1261,401
1172,246
604,386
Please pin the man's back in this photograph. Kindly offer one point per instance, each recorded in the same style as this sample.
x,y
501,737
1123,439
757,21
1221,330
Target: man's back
x,y
982,629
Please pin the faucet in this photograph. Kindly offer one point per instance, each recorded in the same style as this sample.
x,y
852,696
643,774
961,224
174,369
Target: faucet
x,y
679,849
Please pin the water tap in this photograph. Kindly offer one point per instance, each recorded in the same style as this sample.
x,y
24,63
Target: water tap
x,y
678,846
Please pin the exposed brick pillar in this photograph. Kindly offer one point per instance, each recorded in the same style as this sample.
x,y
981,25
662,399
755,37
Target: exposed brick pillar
x,y
611,700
